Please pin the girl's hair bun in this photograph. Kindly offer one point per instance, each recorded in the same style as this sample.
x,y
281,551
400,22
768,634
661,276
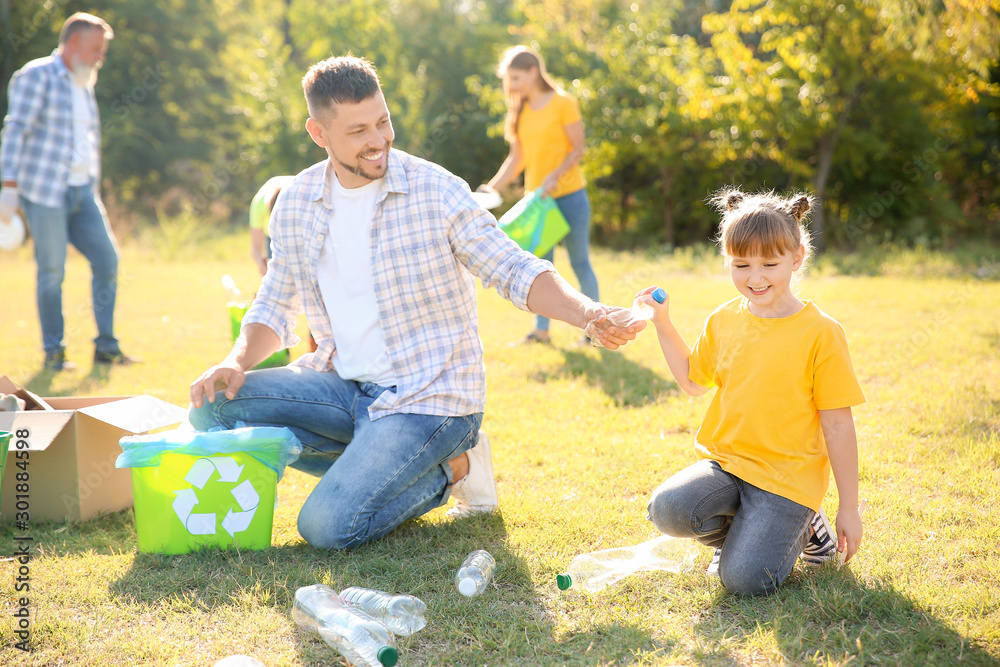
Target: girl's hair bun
x,y
799,207
733,199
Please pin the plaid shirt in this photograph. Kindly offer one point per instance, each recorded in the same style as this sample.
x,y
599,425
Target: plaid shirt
x,y
428,240
36,147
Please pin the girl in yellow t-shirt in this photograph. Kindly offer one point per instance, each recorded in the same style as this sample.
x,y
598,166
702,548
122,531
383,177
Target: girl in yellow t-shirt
x,y
780,417
546,140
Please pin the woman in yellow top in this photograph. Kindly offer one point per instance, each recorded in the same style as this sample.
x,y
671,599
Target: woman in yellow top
x,y
780,418
546,140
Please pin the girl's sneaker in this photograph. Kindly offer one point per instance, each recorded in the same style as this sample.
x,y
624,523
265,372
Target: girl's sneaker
x,y
822,546
713,567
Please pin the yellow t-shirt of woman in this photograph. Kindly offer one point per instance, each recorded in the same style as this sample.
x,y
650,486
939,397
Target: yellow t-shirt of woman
x,y
544,143
773,375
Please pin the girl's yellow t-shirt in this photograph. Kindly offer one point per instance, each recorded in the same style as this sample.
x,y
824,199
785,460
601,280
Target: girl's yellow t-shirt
x,y
773,375
544,143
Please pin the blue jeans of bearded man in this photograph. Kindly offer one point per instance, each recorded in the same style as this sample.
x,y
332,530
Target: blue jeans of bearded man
x,y
80,221
374,474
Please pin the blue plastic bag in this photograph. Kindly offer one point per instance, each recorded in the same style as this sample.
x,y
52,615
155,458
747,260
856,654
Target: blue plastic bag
x,y
274,446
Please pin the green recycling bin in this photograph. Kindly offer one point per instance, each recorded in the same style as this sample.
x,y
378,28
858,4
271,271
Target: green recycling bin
x,y
206,489
191,502
4,444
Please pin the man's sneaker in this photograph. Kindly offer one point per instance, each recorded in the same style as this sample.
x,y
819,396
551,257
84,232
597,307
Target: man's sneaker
x,y
477,491
713,567
56,361
822,546
118,358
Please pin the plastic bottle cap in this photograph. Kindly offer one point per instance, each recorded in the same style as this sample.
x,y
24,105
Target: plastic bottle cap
x,y
467,586
659,295
564,581
388,656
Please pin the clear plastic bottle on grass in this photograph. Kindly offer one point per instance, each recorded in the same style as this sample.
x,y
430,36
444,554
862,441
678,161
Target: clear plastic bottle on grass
x,y
353,633
401,614
597,570
475,573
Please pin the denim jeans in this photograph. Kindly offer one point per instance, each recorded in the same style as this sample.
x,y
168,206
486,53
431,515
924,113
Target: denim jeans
x,y
82,222
374,474
575,207
760,533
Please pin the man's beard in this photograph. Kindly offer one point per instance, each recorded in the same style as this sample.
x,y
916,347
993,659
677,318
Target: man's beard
x,y
366,171
84,75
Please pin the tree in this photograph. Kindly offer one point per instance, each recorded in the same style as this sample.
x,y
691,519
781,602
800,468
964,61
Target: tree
x,y
834,73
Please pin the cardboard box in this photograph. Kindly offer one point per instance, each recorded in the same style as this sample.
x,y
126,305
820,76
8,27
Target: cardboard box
x,y
73,444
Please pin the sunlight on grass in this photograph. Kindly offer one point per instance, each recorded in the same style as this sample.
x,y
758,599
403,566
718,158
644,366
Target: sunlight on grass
x,y
581,437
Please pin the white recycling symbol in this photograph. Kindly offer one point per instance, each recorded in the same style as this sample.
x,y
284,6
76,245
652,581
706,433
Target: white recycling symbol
x,y
204,524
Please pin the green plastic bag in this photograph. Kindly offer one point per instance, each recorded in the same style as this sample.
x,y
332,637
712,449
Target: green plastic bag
x,y
535,223
273,446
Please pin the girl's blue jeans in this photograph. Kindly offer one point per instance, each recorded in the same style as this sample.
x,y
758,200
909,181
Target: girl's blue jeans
x,y
374,474
760,533
575,207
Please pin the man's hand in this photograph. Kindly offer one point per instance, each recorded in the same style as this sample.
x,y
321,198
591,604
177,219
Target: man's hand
x,y
216,377
9,202
603,331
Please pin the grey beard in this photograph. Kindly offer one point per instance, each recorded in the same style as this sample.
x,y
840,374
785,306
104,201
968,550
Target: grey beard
x,y
85,76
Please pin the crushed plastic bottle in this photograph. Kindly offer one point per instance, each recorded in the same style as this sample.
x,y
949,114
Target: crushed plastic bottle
x,y
352,632
597,570
475,573
401,614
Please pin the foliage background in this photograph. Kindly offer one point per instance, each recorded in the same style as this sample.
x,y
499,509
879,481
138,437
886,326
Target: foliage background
x,y
889,111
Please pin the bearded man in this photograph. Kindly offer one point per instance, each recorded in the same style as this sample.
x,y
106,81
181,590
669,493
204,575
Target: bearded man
x,y
50,166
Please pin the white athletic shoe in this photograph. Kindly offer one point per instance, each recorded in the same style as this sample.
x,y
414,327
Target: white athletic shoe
x,y
477,491
713,567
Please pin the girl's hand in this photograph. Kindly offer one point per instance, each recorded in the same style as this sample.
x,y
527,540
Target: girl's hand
x,y
661,311
849,532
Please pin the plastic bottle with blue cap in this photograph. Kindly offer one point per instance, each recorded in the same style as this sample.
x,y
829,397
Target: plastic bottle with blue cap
x,y
642,310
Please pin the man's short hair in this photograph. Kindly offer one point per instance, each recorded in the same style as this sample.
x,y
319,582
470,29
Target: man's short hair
x,y
343,79
82,21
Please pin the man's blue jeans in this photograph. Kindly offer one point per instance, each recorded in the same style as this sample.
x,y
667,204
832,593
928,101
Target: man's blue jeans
x,y
761,534
82,222
575,207
374,474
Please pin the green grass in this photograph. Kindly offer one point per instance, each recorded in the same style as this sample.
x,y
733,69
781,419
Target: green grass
x,y
581,437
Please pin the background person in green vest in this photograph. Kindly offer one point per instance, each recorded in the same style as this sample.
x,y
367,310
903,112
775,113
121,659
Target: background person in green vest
x,y
260,214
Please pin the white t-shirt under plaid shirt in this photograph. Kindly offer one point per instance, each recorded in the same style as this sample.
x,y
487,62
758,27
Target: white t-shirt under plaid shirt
x,y
429,240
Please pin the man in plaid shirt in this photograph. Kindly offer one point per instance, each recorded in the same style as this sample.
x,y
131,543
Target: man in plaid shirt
x,y
50,164
380,249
